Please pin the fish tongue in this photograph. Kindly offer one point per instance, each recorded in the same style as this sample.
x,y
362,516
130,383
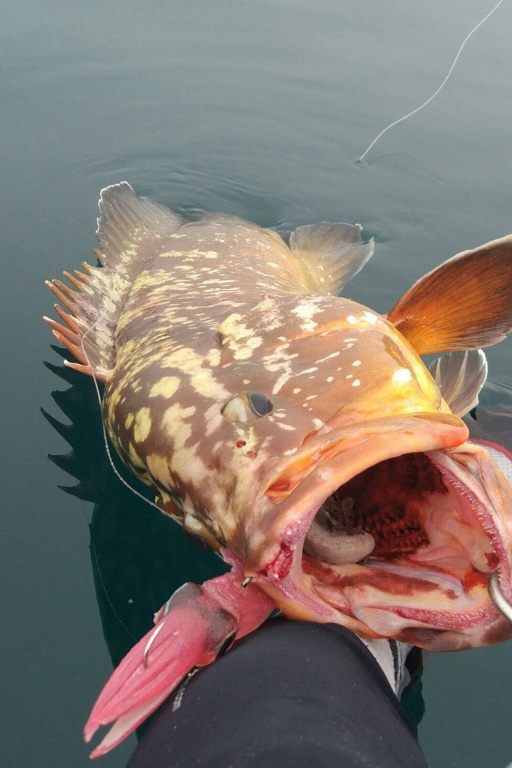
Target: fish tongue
x,y
337,547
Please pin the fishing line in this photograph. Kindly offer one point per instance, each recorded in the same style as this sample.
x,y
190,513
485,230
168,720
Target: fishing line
x,y
104,430
431,98
118,475
98,571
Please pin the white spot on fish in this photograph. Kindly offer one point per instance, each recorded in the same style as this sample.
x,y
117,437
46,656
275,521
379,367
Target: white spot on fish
x,y
281,382
246,349
142,425
324,473
356,362
166,387
187,463
175,425
286,427
213,356
330,378
290,452
305,311
297,390
356,383
213,419
370,317
402,375
351,319
329,357
159,467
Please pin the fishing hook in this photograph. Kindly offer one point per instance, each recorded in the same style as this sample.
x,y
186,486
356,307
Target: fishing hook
x,y
498,598
150,642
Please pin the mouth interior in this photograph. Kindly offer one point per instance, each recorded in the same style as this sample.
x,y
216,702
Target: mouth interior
x,y
385,501
401,509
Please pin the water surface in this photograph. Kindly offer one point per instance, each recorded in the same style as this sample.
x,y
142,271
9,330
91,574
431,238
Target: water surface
x,y
258,109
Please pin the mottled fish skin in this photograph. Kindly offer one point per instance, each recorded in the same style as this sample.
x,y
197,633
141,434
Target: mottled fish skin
x,y
323,361
246,393
297,432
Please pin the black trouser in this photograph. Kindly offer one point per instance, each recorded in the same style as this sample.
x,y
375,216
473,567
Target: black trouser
x,y
291,694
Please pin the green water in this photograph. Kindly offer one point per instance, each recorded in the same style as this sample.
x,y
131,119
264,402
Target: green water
x,y
253,108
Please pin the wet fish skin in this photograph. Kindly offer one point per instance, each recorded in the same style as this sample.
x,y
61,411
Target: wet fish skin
x,y
245,392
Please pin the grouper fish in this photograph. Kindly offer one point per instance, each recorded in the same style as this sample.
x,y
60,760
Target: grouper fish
x,y
297,433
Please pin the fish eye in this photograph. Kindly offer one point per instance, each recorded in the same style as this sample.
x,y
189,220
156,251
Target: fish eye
x,y
247,406
261,405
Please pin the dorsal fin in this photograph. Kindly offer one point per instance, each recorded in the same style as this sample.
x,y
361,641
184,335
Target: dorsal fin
x,y
126,223
460,376
332,253
127,230
465,303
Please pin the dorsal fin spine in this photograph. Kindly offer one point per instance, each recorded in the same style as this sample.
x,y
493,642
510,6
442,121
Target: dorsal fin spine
x,y
127,228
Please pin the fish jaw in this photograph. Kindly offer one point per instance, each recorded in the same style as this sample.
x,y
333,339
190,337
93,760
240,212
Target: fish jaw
x,y
433,592
197,624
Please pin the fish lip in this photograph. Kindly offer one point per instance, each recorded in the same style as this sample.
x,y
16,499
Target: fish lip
x,y
278,568
335,457
489,522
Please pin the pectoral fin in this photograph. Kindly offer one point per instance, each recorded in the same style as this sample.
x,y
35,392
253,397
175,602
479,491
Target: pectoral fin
x,y
466,303
460,376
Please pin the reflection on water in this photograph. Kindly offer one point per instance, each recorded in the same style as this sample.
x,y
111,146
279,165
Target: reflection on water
x,y
257,109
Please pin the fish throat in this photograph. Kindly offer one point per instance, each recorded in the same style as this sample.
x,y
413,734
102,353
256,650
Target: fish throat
x,y
385,501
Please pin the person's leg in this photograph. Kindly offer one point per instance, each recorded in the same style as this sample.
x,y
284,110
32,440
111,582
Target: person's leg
x,y
291,694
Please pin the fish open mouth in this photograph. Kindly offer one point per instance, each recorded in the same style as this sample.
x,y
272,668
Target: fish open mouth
x,y
379,512
387,524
